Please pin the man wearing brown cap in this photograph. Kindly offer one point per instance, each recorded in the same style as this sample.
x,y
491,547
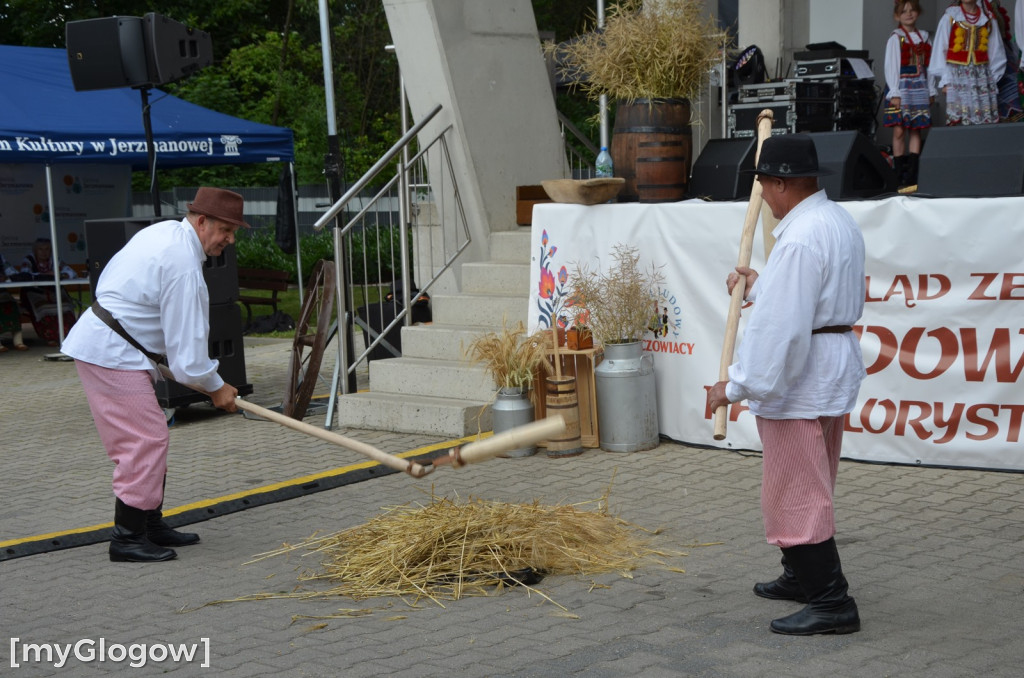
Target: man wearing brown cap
x,y
152,308
800,367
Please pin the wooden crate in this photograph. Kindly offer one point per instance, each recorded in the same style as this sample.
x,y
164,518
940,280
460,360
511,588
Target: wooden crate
x,y
579,364
526,198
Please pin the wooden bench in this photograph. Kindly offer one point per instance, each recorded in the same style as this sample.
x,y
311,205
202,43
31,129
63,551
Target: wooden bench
x,y
262,279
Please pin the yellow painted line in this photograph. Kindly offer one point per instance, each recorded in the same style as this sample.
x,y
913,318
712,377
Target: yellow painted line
x,y
205,503
54,535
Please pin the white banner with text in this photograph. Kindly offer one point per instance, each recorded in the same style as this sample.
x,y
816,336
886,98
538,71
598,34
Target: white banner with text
x,y
942,332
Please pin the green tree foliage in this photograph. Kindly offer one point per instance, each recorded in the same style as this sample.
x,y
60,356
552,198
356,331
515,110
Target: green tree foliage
x,y
268,68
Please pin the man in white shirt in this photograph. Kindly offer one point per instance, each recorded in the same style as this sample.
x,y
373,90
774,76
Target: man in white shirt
x,y
155,289
800,367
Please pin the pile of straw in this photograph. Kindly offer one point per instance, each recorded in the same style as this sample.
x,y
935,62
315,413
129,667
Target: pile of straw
x,y
448,550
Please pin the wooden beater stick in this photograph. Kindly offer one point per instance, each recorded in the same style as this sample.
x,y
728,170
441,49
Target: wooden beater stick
x,y
732,322
514,438
389,460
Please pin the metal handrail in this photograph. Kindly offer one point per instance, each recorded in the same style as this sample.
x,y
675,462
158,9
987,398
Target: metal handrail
x,y
383,162
577,133
375,217
579,166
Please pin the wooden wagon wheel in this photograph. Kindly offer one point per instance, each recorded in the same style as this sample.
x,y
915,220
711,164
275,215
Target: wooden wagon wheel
x,y
311,331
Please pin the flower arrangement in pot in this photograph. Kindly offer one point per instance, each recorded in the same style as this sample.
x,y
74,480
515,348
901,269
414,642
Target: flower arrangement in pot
x,y
512,358
616,303
652,57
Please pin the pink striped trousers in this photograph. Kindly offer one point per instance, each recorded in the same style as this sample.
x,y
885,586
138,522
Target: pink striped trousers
x,y
133,428
800,462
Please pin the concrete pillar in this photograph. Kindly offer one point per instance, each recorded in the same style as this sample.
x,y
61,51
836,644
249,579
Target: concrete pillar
x,y
482,61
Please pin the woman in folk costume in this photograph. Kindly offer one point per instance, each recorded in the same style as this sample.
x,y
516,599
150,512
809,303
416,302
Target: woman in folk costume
x,y
1009,92
908,89
1018,34
968,58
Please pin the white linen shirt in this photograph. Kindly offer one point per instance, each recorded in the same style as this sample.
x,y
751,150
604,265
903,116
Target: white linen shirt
x,y
814,278
154,287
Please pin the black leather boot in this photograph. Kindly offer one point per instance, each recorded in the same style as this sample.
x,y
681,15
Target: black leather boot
x,y
829,609
899,166
162,534
786,587
913,162
128,540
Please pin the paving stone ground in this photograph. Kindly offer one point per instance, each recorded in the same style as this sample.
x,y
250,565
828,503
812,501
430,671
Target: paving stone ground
x,y
934,558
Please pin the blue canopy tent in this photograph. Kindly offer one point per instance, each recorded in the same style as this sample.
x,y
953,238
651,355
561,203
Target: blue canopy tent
x,y
45,121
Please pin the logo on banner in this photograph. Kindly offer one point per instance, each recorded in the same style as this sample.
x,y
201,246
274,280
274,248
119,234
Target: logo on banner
x,y
665,330
72,184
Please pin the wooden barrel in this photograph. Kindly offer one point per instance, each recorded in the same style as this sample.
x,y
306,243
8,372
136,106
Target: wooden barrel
x,y
662,168
561,399
650,121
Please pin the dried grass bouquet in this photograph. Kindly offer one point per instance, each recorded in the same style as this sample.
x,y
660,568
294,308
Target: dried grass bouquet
x,y
664,50
510,355
616,302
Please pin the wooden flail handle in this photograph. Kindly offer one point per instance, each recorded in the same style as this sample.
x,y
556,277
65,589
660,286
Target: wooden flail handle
x,y
732,322
389,460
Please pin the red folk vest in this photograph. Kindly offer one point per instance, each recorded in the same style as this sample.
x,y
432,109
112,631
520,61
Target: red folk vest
x,y
968,44
914,53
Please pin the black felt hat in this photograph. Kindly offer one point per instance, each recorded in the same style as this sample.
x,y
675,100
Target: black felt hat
x,y
788,155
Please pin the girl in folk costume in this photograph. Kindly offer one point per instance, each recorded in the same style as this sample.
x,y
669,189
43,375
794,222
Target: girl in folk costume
x,y
968,58
908,89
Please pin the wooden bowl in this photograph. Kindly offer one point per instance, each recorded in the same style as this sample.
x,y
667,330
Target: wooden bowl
x,y
583,191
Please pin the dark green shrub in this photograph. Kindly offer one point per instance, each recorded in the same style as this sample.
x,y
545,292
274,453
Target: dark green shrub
x,y
257,249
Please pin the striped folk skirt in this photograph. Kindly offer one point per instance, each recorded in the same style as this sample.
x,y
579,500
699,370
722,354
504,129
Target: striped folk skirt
x,y
914,111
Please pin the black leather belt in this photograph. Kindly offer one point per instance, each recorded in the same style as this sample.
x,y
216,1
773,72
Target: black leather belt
x,y
833,329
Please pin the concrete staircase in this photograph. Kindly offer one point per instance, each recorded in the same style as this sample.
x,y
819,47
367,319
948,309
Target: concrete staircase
x,y
432,389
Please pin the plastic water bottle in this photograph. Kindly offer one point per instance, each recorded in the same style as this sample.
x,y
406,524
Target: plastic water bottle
x,y
603,164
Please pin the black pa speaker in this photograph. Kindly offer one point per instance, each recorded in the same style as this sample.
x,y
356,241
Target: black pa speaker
x,y
226,346
173,50
858,169
973,161
105,237
106,53
128,51
716,172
